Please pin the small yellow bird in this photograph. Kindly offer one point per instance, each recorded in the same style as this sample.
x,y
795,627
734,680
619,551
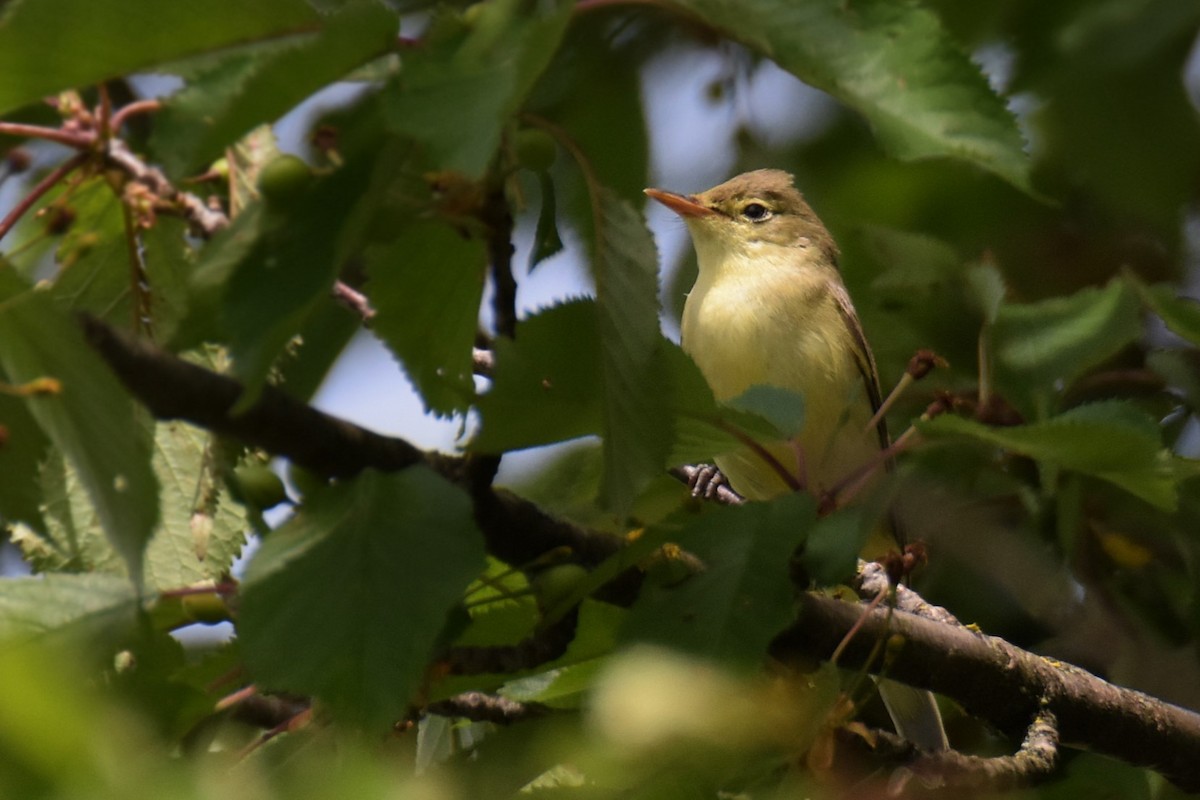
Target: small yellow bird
x,y
769,308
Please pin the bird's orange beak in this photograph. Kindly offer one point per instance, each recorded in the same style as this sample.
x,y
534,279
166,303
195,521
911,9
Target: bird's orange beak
x,y
683,205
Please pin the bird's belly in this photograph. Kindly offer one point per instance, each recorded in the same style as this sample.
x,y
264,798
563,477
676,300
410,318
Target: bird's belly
x,y
738,344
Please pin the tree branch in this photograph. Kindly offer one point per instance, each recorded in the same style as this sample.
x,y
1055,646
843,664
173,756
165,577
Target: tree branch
x,y
1003,684
991,679
515,530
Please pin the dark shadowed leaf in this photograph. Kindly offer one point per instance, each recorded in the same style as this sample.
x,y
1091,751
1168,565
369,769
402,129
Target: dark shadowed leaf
x,y
547,384
1113,441
426,287
635,407
251,87
347,600
456,94
731,609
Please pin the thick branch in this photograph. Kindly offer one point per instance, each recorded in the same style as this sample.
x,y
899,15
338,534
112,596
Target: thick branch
x,y
1005,685
516,531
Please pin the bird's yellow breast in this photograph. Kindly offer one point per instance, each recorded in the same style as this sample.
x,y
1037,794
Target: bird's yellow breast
x,y
762,318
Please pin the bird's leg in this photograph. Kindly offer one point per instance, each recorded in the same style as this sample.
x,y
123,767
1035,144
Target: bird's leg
x,y
706,480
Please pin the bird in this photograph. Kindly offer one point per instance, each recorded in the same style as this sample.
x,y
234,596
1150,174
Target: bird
x,y
769,307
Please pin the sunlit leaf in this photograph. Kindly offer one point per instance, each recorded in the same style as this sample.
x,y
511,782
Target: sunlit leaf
x,y
66,605
91,419
347,600
892,62
106,40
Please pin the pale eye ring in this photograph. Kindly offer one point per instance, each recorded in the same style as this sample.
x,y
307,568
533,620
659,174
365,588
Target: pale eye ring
x,y
756,212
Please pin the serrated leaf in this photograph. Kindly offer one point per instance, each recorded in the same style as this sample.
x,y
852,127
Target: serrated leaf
x,y
1061,338
91,420
546,385
268,272
202,531
1181,314
252,86
107,40
346,601
455,96
73,540
731,610
426,288
546,241
24,448
892,62
637,430
1113,441
62,605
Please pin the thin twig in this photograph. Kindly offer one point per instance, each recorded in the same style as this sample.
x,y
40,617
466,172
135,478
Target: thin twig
x,y
354,300
79,141
44,185
131,110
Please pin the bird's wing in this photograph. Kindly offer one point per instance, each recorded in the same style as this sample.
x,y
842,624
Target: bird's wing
x,y
863,358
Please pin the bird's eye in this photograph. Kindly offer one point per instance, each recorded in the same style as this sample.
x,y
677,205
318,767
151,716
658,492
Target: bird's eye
x,y
755,212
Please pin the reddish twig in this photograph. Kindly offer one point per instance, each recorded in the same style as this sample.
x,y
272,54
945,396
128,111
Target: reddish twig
x,y
44,185
80,141
131,110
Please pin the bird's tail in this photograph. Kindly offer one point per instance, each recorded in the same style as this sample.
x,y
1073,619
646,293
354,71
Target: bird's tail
x,y
915,714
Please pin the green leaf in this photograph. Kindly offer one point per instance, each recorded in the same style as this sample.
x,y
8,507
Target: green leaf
x,y
94,270
346,601
62,605
636,422
426,287
834,543
250,87
42,54
733,608
783,408
546,385
73,540
1113,441
892,62
91,420
199,534
455,96
1039,344
1181,314
986,290
546,241
271,270
23,449
202,531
